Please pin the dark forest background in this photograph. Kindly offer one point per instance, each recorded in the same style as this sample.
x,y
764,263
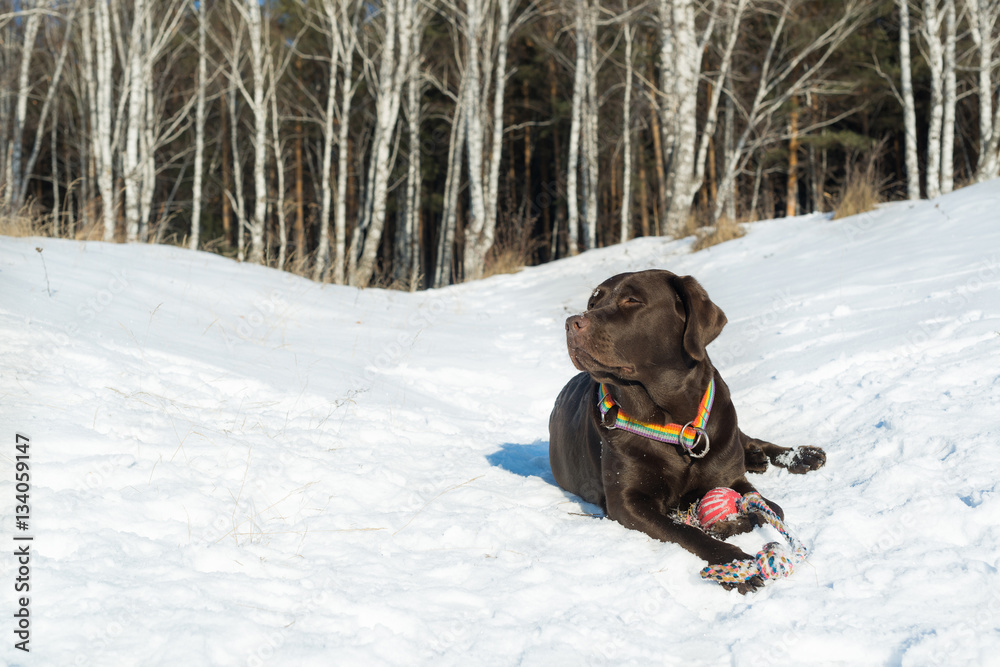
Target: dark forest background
x,y
842,130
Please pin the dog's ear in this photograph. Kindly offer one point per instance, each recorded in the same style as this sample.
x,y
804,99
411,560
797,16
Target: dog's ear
x,y
704,319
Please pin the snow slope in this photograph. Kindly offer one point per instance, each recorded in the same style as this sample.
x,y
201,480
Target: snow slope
x,y
234,466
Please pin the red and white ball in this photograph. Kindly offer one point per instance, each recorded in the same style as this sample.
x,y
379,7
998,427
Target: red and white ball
x,y
718,505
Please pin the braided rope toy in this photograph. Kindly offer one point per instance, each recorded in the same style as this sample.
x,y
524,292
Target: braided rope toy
x,y
774,561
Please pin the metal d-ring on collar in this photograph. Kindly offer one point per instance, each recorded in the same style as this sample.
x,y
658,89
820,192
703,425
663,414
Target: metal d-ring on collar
x,y
699,434
673,434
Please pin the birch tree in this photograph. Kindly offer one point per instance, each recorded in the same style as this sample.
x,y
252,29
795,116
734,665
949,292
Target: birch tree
x,y
931,24
277,149
682,45
484,124
406,262
782,74
347,89
199,131
253,90
629,34
250,10
579,90
905,97
449,215
50,98
332,20
680,69
950,100
143,124
233,53
101,110
24,88
339,25
237,199
582,165
589,123
134,167
984,24
718,84
387,81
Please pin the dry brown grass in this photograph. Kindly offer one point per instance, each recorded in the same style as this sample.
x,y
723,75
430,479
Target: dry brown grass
x,y
506,259
864,186
861,193
723,230
387,281
25,222
514,247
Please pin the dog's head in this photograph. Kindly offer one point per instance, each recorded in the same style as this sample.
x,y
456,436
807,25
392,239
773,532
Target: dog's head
x,y
644,328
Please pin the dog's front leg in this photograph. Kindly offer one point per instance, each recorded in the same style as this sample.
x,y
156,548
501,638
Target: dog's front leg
x,y
638,511
641,512
797,460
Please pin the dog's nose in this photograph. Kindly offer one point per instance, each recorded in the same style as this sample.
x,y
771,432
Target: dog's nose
x,y
577,324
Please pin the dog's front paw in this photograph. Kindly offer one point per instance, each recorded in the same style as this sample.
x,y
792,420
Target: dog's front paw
x,y
755,459
737,525
801,460
749,586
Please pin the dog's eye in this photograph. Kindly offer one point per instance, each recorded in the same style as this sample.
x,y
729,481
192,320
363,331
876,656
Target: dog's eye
x,y
631,301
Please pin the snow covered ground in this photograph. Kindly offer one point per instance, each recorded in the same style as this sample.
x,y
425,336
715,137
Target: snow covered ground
x,y
234,466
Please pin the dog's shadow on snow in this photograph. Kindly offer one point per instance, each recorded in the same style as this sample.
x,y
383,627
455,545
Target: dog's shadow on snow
x,y
533,461
525,460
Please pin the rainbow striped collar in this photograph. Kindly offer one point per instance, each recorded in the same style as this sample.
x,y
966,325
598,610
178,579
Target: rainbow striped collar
x,y
687,436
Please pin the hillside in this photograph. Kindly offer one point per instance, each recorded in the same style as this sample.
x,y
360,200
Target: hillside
x,y
235,466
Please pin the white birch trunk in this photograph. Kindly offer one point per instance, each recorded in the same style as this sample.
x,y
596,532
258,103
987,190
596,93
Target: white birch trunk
x,y
6,120
909,107
147,148
104,87
50,97
931,31
88,141
949,102
326,185
408,250
132,167
199,132
259,109
449,213
279,168
16,179
142,124
488,234
626,215
347,89
984,16
394,59
474,132
727,191
712,112
573,163
483,188
589,122
681,115
239,205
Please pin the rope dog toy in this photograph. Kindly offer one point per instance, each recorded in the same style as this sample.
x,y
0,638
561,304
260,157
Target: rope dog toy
x,y
774,561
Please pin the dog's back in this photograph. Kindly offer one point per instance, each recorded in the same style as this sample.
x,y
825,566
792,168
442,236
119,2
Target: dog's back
x,y
574,443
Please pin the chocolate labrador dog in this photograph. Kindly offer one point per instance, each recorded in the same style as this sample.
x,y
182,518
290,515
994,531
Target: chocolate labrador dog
x,y
648,427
